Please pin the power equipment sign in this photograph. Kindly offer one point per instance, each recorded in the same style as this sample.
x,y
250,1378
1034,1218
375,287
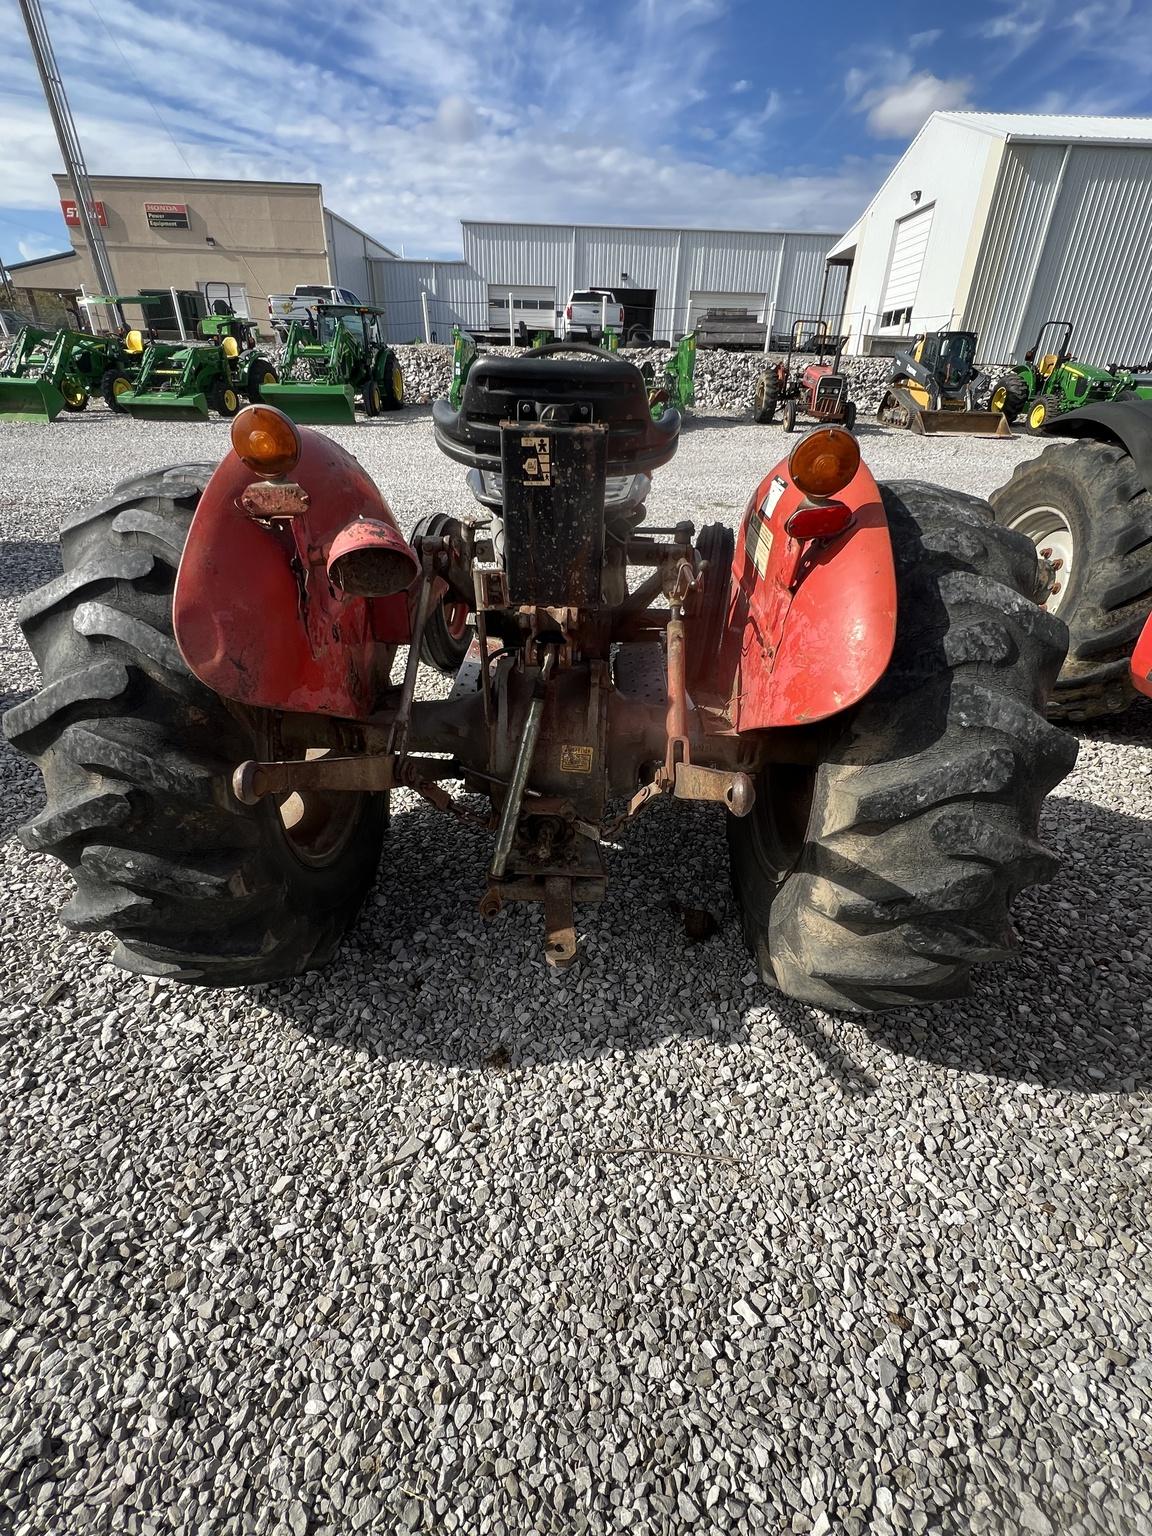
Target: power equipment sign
x,y
167,215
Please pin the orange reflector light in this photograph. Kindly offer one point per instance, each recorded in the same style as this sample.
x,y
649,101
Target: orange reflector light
x,y
823,462
827,521
266,441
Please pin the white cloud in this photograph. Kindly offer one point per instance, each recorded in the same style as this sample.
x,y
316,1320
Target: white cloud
x,y
925,39
39,245
740,86
900,110
559,140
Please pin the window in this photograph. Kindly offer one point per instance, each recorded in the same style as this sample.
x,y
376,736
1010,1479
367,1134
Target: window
x,y
896,316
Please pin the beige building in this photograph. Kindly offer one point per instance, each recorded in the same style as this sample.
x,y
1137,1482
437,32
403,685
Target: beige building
x,y
256,237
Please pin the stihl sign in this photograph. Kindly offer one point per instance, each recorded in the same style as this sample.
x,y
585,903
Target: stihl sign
x,y
72,213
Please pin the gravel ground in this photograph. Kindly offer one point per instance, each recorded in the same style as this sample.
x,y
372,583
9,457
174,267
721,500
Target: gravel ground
x,y
437,1241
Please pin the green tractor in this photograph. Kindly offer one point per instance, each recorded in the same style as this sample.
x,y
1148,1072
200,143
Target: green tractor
x,y
182,381
1051,381
47,372
330,359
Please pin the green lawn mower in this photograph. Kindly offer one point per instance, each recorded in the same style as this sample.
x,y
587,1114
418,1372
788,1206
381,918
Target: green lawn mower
x,y
52,371
334,358
184,381
675,384
1051,380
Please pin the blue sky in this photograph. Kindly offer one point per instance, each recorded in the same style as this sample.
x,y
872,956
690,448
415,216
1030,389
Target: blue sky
x,y
413,114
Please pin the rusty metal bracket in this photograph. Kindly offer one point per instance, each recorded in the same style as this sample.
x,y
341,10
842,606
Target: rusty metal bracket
x,y
737,791
369,773
559,923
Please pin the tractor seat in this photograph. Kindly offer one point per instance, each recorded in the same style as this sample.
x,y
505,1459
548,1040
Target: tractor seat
x,y
1048,363
562,384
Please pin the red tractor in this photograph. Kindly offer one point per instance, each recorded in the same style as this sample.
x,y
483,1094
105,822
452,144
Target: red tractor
x,y
855,680
819,392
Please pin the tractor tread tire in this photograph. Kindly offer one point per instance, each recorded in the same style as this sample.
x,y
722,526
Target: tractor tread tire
x,y
925,805
767,398
136,755
439,648
1017,393
1097,489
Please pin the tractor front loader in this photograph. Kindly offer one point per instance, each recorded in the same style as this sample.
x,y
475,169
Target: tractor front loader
x,y
332,359
853,678
184,381
935,387
52,371
675,384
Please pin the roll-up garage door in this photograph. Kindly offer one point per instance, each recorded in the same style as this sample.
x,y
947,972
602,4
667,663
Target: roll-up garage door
x,y
908,249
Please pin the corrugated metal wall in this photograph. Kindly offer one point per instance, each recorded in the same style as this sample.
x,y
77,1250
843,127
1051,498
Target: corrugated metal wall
x,y
456,296
787,268
1069,236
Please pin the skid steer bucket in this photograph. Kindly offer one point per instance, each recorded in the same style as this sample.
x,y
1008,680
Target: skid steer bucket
x,y
29,400
322,405
960,424
165,407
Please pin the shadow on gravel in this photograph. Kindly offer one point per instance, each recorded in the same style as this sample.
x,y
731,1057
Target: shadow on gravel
x,y
26,564
422,976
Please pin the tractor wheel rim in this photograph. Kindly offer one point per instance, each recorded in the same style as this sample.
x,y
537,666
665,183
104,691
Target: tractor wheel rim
x,y
317,827
121,387
999,398
1050,531
230,400
456,619
72,391
1036,415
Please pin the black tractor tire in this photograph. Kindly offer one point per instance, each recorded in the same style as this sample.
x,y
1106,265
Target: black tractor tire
x,y
136,755
447,636
1106,595
113,384
224,399
707,623
880,876
260,372
372,397
391,377
1013,392
76,398
639,336
850,416
789,415
767,397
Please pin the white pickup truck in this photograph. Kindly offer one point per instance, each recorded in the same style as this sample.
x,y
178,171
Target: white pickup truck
x,y
283,308
588,312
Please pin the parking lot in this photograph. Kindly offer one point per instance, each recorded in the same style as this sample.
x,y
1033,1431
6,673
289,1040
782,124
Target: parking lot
x,y
438,1240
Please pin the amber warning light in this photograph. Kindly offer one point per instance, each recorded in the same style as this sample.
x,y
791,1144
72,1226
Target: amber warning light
x,y
823,462
266,440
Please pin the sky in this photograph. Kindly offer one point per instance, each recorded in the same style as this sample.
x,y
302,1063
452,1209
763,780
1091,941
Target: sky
x,y
738,114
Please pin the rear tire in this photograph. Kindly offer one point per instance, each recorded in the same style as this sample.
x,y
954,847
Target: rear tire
x,y
391,377
447,634
260,372
707,623
136,755
1090,496
850,416
789,415
112,386
881,876
767,396
1009,397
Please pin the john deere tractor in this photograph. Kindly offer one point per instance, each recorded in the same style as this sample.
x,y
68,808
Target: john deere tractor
x,y
183,381
334,358
1051,380
47,372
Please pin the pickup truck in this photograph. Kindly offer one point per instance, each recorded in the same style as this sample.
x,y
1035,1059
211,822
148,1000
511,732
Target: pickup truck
x,y
283,308
586,314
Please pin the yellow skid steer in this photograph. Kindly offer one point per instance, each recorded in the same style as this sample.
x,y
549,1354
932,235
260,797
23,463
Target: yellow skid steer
x,y
933,389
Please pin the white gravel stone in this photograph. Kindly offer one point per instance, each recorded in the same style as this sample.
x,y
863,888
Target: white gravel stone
x,y
438,1241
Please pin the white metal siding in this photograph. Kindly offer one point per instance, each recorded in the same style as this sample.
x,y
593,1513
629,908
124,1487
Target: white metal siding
x,y
909,248
783,268
456,296
1096,267
1010,251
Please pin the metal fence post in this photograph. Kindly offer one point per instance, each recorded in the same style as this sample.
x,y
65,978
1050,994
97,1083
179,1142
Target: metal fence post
x,y
424,311
511,326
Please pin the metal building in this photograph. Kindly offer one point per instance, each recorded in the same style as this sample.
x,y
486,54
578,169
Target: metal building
x,y
667,279
996,222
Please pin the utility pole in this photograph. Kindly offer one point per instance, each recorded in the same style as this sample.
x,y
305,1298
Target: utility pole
x,y
70,150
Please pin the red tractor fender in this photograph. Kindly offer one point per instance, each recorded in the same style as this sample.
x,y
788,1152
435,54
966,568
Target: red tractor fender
x,y
814,619
256,615
1141,664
